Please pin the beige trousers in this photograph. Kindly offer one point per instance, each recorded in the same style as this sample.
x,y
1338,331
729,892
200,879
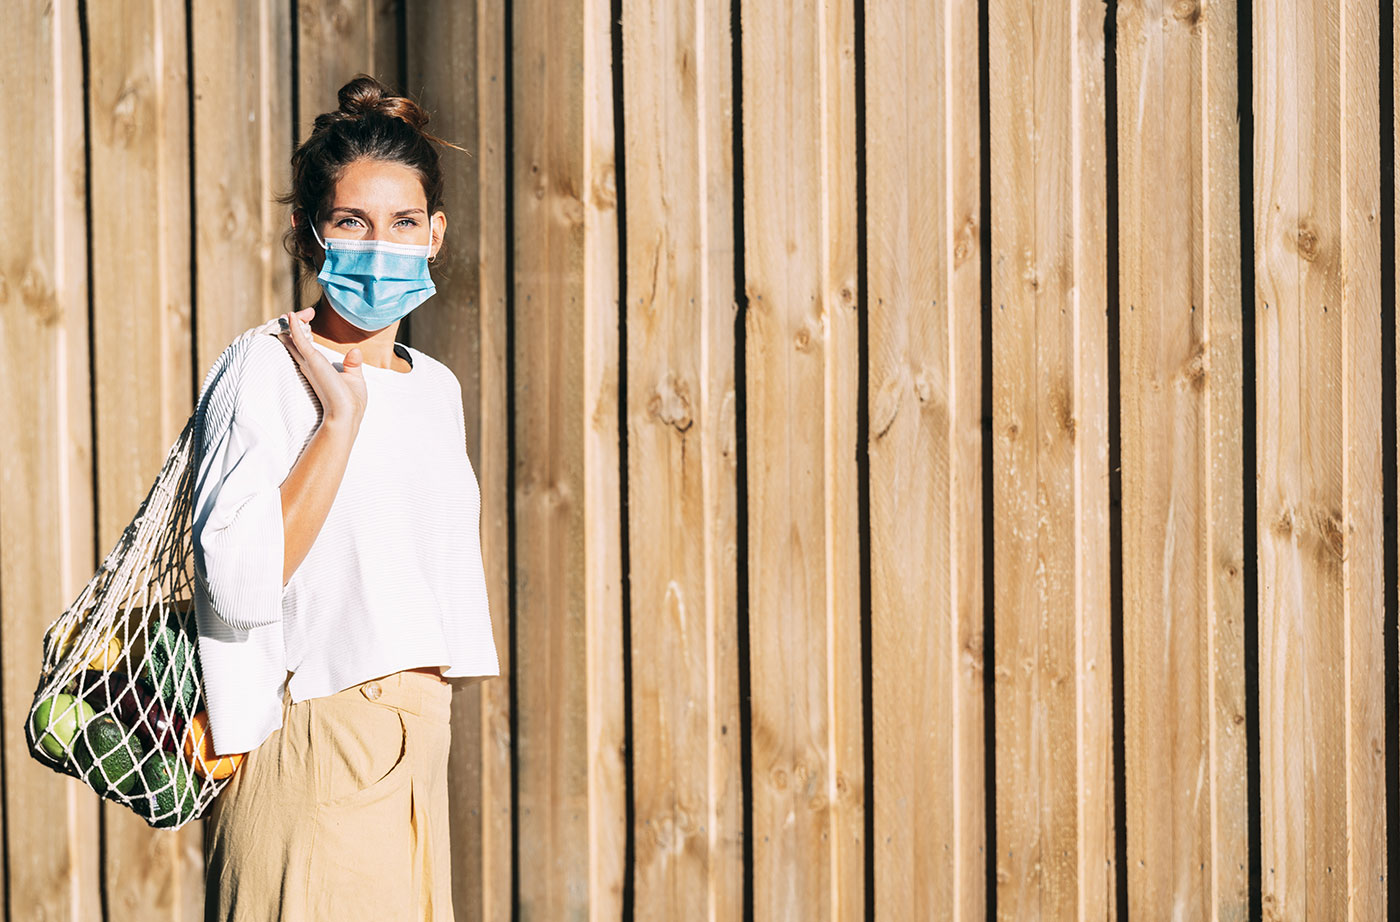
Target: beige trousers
x,y
341,814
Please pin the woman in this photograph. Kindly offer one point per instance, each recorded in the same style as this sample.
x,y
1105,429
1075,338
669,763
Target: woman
x,y
338,567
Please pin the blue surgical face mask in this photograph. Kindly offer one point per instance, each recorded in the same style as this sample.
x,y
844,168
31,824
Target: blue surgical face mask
x,y
372,283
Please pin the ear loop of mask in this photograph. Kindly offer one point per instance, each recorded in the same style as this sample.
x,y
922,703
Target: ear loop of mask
x,y
311,222
429,244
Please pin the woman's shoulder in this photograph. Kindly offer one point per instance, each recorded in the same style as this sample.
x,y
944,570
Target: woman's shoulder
x,y
255,373
434,372
252,345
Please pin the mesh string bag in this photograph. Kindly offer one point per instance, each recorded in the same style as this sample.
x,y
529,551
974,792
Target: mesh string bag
x,y
120,699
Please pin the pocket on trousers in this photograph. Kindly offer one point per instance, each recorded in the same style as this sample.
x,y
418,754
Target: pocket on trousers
x,y
359,750
360,861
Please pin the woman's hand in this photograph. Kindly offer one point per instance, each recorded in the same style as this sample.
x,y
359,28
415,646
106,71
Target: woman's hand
x,y
342,393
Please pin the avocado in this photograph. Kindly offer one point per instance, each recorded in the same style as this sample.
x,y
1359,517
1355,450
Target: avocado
x,y
106,755
170,790
172,662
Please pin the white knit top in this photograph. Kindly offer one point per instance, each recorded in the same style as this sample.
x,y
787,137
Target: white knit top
x,y
394,579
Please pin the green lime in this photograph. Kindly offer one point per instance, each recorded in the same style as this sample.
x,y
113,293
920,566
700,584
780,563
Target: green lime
x,y
57,720
170,789
107,756
171,661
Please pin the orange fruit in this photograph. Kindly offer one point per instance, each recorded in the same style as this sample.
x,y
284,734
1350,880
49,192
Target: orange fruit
x,y
199,750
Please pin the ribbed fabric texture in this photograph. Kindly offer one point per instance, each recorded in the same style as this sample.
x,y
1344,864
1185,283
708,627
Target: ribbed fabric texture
x,y
394,579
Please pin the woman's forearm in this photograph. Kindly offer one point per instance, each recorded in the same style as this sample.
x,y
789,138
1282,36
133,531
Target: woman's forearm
x,y
310,488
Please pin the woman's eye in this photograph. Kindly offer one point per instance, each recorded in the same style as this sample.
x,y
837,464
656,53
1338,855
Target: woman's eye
x,y
345,221
409,221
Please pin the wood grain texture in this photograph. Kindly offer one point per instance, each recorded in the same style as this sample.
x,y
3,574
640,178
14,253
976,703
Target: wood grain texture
x,y
1183,555
1362,467
924,255
242,135
802,382
138,108
493,460
46,488
1318,394
337,39
569,746
443,74
682,463
1050,438
602,456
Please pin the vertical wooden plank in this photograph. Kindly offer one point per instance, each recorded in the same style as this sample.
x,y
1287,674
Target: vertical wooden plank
x,y
441,75
922,219
801,364
570,778
454,68
1223,557
1320,532
46,541
138,112
1360,417
242,137
493,459
1015,434
1053,682
602,456
550,618
1181,455
682,466
1276,170
337,39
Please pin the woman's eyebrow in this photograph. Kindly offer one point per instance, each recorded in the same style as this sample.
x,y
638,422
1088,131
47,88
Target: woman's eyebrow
x,y
361,213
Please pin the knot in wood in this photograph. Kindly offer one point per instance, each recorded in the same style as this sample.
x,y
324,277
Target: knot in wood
x,y
125,118
923,386
1062,408
1187,11
966,243
39,297
1331,530
1197,369
1308,246
670,402
605,188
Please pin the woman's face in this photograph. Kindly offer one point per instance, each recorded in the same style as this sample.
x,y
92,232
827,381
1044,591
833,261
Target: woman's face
x,y
378,200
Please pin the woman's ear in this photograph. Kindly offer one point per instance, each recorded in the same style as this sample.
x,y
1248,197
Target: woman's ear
x,y
300,226
439,225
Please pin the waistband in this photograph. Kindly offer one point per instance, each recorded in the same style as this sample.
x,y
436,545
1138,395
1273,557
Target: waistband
x,y
409,691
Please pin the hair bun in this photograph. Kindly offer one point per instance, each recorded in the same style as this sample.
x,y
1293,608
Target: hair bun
x,y
365,95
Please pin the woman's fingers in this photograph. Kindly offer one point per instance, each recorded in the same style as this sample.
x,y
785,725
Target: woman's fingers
x,y
299,342
333,387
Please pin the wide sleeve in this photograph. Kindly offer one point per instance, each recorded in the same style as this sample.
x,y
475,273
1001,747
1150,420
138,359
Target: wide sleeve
x,y
237,528
236,532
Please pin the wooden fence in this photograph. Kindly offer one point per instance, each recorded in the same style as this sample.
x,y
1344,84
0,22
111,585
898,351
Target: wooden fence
x,y
938,458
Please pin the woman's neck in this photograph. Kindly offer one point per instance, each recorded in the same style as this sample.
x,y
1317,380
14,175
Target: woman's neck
x,y
377,348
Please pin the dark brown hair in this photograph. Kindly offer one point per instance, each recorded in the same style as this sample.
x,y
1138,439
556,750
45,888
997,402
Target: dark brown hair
x,y
372,123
